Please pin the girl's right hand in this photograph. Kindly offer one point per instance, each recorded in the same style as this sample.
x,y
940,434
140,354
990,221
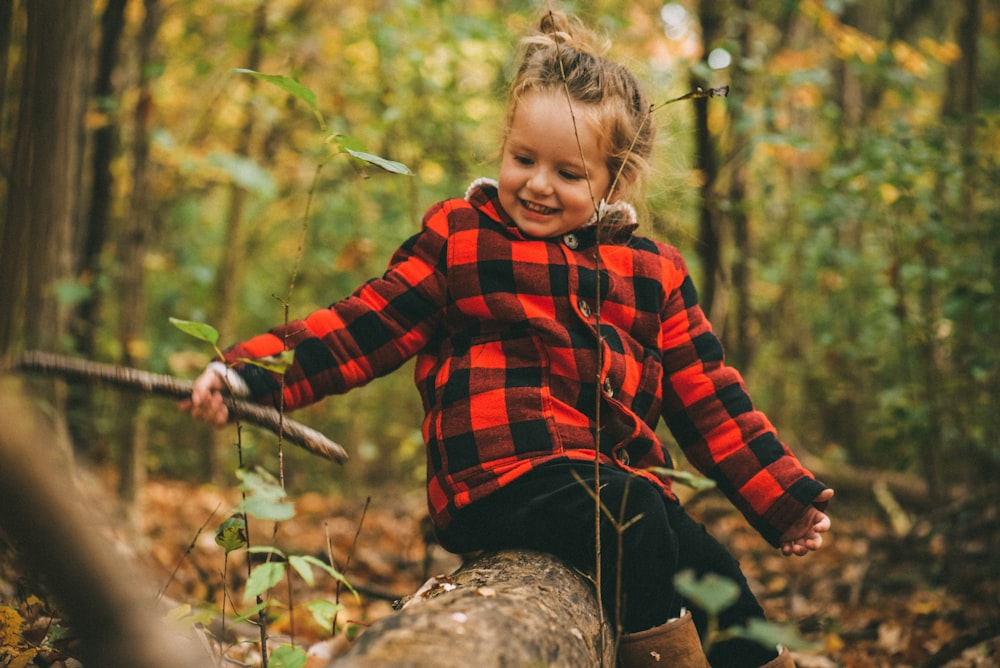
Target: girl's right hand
x,y
806,535
206,402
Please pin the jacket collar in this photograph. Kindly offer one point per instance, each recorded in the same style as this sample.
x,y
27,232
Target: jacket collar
x,y
483,195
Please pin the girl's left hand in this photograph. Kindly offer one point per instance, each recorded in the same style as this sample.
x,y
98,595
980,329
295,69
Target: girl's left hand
x,y
806,535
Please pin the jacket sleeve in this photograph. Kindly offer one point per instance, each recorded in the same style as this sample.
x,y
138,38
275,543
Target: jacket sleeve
x,y
368,334
710,413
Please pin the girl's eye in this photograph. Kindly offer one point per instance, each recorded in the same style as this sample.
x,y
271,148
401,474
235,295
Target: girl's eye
x,y
522,160
570,176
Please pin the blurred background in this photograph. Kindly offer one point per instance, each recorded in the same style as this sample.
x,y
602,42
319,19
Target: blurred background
x,y
838,208
839,211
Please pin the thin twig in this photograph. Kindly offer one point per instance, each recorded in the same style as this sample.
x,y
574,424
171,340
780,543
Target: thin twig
x,y
347,564
184,556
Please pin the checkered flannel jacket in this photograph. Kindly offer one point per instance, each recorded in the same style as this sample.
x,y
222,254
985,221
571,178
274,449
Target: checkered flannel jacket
x,y
505,332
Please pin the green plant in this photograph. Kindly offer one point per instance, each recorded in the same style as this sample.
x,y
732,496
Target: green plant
x,y
713,594
265,499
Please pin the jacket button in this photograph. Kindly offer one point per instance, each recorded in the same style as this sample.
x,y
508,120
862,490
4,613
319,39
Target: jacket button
x,y
622,456
584,308
609,391
571,241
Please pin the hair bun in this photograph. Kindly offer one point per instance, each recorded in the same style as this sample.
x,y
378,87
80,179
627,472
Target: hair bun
x,y
557,28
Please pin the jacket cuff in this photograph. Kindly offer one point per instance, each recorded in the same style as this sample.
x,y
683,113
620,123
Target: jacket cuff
x,y
789,508
233,380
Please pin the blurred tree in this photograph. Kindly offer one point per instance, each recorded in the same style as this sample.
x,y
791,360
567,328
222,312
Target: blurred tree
x,y
133,247
91,270
37,242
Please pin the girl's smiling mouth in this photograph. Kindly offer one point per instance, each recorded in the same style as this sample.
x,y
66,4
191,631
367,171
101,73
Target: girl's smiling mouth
x,y
538,208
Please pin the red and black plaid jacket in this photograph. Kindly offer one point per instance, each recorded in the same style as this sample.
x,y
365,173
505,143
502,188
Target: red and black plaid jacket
x,y
504,328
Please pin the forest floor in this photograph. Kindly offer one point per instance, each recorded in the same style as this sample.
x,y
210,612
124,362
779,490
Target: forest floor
x,y
922,593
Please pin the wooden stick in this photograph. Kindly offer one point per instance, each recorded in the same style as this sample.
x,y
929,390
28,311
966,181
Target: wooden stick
x,y
158,384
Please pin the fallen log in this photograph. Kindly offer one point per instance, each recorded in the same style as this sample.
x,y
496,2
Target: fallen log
x,y
57,538
510,608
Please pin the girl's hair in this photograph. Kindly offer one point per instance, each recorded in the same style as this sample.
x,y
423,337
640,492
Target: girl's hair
x,y
565,56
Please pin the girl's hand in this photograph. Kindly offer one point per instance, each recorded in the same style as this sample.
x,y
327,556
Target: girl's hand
x,y
206,402
806,535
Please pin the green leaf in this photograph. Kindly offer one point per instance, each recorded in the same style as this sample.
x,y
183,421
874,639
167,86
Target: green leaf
x,y
769,635
713,593
290,86
198,330
268,509
265,499
262,578
260,483
275,363
331,571
693,481
186,615
302,567
232,534
324,611
251,614
387,165
267,549
349,145
69,293
246,173
287,656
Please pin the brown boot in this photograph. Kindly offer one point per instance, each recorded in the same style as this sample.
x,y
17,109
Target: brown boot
x,y
783,660
674,644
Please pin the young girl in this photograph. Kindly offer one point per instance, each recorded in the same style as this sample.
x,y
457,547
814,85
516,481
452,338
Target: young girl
x,y
547,334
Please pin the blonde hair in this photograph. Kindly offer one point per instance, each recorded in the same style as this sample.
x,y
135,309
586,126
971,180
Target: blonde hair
x,y
564,55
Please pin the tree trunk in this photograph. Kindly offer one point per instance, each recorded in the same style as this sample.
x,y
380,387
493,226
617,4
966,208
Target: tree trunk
x,y
513,608
132,255
85,322
41,512
710,219
37,243
738,336
36,247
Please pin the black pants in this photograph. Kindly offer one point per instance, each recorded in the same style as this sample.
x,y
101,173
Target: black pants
x,y
550,510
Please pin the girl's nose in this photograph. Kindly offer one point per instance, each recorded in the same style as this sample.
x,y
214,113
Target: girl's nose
x,y
540,182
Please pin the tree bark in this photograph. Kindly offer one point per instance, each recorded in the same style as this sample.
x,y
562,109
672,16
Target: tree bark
x,y
512,608
36,248
42,196
132,250
710,219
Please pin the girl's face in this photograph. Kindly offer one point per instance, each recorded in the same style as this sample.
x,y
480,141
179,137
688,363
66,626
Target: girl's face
x,y
544,171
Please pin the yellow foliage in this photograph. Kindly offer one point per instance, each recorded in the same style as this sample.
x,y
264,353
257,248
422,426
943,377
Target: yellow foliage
x,y
848,42
946,53
834,643
791,60
889,193
12,651
910,59
11,622
806,96
431,172
23,659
